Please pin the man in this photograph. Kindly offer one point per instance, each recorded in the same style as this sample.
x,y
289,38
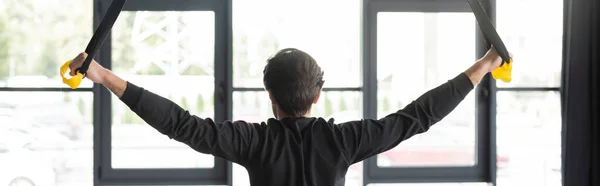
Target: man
x,y
294,149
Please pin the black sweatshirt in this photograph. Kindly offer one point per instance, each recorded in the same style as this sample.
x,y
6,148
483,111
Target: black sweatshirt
x,y
297,151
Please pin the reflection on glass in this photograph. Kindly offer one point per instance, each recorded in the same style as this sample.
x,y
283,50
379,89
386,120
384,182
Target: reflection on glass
x,y
415,53
534,36
46,138
256,107
172,55
37,36
262,27
528,130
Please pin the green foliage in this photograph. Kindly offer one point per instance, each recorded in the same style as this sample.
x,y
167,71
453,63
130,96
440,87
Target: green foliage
x,y
81,106
200,103
154,40
328,106
151,70
400,105
128,117
195,70
123,52
48,59
342,105
386,104
4,49
37,36
183,103
355,105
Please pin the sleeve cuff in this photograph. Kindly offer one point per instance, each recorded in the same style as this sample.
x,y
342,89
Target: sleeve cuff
x,y
132,94
463,84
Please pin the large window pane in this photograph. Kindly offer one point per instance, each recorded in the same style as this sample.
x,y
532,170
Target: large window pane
x,y
172,55
256,107
38,36
417,52
430,184
262,27
528,130
46,138
534,36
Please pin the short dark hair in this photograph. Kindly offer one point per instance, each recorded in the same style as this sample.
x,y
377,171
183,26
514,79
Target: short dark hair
x,y
294,79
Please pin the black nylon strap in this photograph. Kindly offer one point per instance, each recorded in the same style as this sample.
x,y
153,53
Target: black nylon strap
x,y
488,30
101,33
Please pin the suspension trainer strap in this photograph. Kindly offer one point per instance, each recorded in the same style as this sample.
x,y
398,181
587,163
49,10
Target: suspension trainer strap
x,y
491,35
95,43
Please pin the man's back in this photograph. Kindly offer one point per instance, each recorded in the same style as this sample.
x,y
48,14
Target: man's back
x,y
299,151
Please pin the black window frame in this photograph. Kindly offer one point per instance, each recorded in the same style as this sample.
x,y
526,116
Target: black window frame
x,y
104,174
485,166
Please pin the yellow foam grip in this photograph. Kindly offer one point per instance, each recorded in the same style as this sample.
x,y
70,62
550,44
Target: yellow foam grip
x,y
74,81
504,72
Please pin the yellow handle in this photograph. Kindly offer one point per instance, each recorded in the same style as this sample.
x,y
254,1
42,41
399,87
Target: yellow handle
x,y
74,81
504,72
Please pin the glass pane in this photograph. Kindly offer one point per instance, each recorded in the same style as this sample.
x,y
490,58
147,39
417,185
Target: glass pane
x,y
164,52
353,176
534,36
31,59
430,184
417,52
46,138
529,161
262,27
256,107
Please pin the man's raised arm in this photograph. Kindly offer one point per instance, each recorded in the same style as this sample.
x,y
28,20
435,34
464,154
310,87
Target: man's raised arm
x,y
232,141
365,138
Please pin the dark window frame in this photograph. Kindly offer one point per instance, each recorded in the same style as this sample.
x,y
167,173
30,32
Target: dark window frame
x,y
104,174
483,170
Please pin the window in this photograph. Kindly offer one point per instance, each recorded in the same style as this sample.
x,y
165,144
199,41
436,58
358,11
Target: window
x,y
521,115
170,49
262,27
413,47
415,53
430,184
171,54
534,36
31,59
255,107
45,129
45,145
208,57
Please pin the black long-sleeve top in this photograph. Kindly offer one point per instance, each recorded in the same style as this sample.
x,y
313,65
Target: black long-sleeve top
x,y
297,151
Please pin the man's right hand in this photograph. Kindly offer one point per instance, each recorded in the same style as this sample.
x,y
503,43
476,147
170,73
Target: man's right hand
x,y
99,74
95,72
